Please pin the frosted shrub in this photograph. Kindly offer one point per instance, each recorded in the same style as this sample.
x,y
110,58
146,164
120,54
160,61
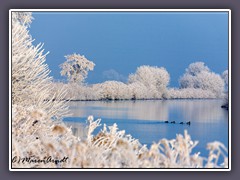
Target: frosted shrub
x,y
225,77
210,81
31,84
175,153
35,135
199,76
70,92
154,78
216,150
109,90
192,93
74,91
196,68
23,18
139,91
112,90
29,74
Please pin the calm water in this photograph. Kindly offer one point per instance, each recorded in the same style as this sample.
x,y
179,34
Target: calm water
x,y
144,120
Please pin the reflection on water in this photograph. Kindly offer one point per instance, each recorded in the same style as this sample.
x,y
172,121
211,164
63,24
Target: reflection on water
x,y
189,110
147,110
144,120
198,110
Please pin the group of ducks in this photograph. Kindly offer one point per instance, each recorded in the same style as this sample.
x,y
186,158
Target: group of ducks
x,y
174,122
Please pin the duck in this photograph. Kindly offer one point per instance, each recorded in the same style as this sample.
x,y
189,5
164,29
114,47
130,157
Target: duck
x,y
188,123
34,122
166,121
173,122
181,123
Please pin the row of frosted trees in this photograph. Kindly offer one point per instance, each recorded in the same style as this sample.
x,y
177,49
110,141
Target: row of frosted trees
x,y
39,133
147,82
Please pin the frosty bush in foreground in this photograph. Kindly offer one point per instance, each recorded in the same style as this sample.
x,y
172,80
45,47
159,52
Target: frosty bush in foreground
x,y
31,84
37,136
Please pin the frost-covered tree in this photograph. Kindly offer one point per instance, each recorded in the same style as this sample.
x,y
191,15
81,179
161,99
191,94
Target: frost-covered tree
x,y
197,67
76,68
31,84
23,18
154,78
225,77
139,91
198,76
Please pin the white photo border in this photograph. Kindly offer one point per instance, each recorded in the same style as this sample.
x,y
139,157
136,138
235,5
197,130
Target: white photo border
x,y
119,10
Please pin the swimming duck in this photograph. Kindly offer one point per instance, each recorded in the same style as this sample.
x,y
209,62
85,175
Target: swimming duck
x,y
188,123
173,122
34,122
181,123
166,121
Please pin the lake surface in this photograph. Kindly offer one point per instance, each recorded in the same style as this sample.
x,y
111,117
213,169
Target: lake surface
x,y
144,120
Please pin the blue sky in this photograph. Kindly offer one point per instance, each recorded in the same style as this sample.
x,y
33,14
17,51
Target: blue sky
x,y
119,42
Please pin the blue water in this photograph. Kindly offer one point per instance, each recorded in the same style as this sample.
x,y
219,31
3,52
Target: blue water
x,y
144,120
